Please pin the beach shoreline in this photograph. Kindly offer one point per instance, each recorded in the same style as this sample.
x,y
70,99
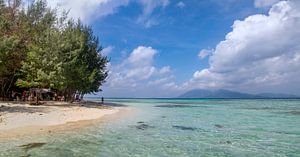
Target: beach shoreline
x,y
18,120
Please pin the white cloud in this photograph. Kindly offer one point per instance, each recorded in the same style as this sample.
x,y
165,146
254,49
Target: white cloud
x,y
86,10
138,76
141,73
142,56
149,6
204,53
106,51
264,3
180,4
172,86
138,71
161,81
165,70
261,53
91,10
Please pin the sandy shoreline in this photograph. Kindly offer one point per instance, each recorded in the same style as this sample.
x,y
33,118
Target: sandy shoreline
x,y
17,120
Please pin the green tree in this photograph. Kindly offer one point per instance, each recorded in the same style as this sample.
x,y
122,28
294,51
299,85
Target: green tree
x,y
40,50
41,67
84,67
64,55
12,44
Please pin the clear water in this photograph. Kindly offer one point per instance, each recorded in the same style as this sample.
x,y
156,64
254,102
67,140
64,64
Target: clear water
x,y
172,127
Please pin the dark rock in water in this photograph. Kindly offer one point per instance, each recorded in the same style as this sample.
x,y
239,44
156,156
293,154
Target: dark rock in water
x,y
283,132
142,126
280,132
184,127
228,142
261,108
295,112
176,106
163,117
225,142
140,122
32,145
219,126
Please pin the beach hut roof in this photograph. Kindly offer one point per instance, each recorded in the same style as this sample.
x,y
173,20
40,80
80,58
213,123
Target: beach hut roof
x,y
41,90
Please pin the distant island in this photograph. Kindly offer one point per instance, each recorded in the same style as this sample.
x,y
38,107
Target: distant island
x,y
223,93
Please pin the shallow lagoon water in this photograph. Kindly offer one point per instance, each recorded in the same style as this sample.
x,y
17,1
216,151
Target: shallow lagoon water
x,y
179,127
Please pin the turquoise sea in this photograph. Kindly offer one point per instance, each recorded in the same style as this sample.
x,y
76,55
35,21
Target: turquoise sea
x,y
179,127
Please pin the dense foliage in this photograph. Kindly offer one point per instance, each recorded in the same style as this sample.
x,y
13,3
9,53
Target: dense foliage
x,y
38,49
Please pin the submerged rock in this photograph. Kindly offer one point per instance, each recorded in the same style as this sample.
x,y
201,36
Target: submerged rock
x,y
184,127
295,112
225,142
228,142
219,126
260,108
176,106
142,126
32,145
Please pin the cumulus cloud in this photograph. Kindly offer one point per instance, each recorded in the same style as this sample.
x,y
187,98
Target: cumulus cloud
x,y
138,71
264,3
148,8
89,10
142,56
165,70
261,53
160,81
86,10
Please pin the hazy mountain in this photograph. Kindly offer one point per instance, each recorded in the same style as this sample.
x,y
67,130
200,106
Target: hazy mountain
x,y
222,93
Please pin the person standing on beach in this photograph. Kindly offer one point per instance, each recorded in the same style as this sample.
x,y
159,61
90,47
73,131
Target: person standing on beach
x,y
102,100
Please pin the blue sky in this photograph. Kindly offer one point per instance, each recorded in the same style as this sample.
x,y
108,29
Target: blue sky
x,y
179,34
162,48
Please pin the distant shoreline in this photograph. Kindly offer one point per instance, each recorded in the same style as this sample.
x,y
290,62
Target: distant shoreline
x,y
21,119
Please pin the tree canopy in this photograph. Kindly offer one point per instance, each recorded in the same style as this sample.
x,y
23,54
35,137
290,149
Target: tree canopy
x,y
38,49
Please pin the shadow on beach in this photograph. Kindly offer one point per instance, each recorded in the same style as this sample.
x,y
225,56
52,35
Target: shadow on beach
x,y
89,104
24,107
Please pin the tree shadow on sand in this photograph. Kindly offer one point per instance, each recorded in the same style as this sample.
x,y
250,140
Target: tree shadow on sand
x,y
88,104
22,109
44,107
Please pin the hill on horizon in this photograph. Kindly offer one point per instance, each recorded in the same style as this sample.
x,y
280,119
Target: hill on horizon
x,y
223,93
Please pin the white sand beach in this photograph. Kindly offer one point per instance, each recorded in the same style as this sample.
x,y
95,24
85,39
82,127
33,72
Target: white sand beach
x,y
18,119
